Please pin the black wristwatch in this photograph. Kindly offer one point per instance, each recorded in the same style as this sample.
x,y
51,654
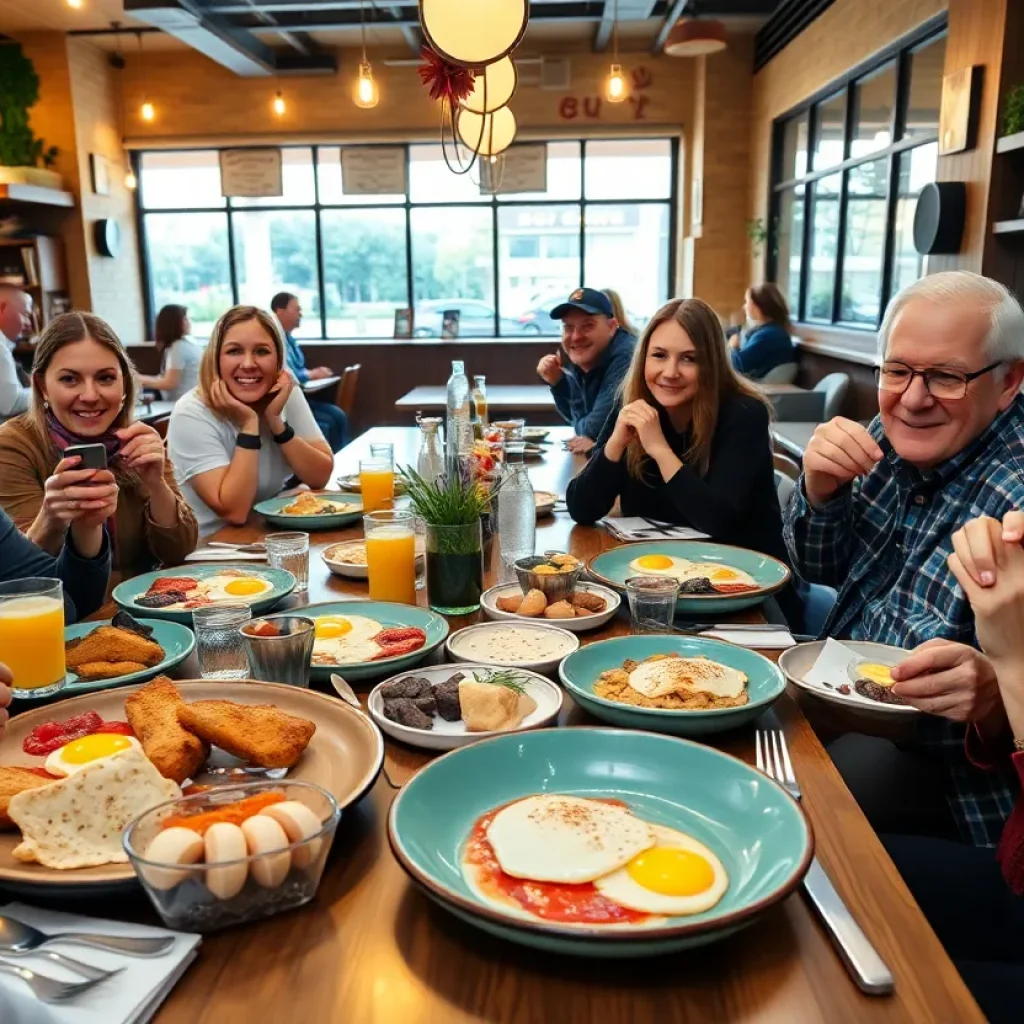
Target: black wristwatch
x,y
285,436
251,442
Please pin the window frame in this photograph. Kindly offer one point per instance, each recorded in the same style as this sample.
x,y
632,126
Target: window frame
x,y
899,54
407,206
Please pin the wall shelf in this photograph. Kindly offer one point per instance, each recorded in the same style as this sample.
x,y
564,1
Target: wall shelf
x,y
15,192
1008,227
1009,143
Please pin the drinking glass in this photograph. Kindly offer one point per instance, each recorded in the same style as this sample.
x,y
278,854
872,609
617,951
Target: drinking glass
x,y
454,568
421,552
377,482
286,654
652,603
290,551
384,452
391,555
32,635
219,643
512,429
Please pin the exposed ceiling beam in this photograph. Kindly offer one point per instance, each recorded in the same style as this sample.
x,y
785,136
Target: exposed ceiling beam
x,y
675,12
623,11
413,38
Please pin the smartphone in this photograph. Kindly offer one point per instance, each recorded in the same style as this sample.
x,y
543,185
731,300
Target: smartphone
x,y
93,456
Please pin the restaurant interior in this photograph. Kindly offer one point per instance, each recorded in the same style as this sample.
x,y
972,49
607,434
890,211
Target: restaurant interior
x,y
417,198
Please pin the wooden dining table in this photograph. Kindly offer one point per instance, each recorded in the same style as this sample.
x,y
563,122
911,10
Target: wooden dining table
x,y
372,949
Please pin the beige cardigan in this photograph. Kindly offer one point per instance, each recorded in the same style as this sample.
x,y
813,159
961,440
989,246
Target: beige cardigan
x,y
139,543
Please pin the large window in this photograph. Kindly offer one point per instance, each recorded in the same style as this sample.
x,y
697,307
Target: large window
x,y
849,168
504,261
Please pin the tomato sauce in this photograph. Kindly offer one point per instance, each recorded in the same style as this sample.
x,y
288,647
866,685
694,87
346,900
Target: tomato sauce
x,y
733,588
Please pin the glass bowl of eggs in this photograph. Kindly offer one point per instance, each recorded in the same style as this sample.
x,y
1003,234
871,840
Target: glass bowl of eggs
x,y
232,854
555,573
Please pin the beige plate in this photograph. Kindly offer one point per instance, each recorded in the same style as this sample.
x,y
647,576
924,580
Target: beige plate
x,y
344,756
545,502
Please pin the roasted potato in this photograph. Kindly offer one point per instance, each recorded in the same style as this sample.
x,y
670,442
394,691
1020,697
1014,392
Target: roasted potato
x,y
560,610
533,604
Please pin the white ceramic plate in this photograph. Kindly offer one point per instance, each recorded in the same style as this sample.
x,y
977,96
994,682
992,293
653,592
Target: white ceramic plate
x,y
357,570
797,662
535,434
545,502
580,624
544,664
449,735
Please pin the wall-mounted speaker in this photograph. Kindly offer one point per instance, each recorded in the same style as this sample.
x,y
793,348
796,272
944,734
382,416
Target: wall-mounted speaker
x,y
939,219
107,236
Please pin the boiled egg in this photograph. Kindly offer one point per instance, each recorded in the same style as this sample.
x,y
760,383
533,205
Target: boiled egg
x,y
74,756
171,846
661,565
657,677
677,875
266,839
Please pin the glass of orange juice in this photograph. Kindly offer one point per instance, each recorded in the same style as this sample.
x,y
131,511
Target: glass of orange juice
x,y
32,635
377,482
391,555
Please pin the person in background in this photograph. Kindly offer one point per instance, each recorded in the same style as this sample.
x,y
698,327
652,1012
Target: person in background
x,y
874,515
83,392
331,420
246,428
980,918
619,312
584,376
767,343
15,321
179,355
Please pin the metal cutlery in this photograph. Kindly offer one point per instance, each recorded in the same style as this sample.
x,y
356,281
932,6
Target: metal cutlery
x,y
16,936
862,961
256,548
67,962
48,989
700,628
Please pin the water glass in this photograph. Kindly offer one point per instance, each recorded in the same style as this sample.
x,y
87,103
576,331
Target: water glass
x,y
514,430
383,453
218,640
290,551
391,555
284,656
421,552
32,635
652,603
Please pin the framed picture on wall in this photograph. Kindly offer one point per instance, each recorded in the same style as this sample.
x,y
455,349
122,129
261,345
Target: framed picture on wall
x,y
958,115
99,169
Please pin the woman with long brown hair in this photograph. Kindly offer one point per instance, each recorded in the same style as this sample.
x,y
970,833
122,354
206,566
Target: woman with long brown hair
x,y
767,342
179,354
689,443
83,392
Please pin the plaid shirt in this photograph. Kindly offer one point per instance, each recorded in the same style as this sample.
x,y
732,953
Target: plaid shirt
x,y
883,543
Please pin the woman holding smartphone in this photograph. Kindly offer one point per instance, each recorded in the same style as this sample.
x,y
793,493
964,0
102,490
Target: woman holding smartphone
x,y
83,394
246,428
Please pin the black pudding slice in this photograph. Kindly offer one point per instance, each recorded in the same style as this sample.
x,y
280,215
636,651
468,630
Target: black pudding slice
x,y
875,691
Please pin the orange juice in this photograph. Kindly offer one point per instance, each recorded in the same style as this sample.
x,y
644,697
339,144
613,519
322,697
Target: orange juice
x,y
378,486
32,640
391,564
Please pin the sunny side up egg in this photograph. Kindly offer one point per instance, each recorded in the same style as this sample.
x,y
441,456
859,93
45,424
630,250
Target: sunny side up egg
x,y
345,639
676,876
720,573
661,565
77,754
227,588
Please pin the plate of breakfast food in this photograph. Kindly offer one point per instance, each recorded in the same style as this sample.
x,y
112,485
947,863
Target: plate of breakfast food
x,y
173,593
348,558
74,774
712,577
544,502
523,643
589,606
352,484
536,434
122,651
532,838
687,686
312,510
368,639
441,707
852,673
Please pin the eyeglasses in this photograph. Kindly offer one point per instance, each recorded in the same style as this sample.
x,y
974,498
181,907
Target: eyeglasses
x,y
947,384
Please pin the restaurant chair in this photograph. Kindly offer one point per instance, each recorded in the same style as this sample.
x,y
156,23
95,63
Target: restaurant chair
x,y
785,465
347,389
160,425
799,406
785,373
816,603
834,388
784,487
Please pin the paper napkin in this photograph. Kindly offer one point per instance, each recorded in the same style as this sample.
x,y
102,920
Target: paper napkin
x,y
765,639
636,528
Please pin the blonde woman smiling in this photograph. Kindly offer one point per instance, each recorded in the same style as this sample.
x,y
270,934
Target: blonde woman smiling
x,y
246,428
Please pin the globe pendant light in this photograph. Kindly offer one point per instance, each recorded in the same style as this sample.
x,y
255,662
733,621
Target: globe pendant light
x,y
487,134
474,33
493,87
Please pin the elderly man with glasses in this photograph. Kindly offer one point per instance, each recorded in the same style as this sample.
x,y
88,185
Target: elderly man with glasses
x,y
874,516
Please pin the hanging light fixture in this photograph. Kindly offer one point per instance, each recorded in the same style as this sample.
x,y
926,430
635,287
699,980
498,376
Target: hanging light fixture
x,y
616,88
130,181
279,107
117,62
492,88
696,37
76,4
474,33
146,111
488,135
365,94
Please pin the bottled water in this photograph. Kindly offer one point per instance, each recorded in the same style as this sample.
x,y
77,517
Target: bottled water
x,y
517,513
430,463
458,428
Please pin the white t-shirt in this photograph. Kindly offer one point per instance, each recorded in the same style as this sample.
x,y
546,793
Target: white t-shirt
x,y
198,441
184,356
14,397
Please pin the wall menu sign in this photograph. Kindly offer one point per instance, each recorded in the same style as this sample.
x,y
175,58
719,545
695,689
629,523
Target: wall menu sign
x,y
380,171
251,173
525,169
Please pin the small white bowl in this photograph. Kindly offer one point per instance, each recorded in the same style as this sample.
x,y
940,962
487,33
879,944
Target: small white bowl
x,y
580,624
357,570
448,735
545,502
545,665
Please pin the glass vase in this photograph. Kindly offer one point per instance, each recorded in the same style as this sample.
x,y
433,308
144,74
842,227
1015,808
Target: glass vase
x,y
454,568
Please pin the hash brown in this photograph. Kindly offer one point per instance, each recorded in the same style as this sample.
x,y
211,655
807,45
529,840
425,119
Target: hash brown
x,y
261,734
152,712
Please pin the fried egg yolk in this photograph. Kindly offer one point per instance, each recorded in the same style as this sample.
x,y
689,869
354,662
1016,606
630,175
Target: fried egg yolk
x,y
724,575
671,872
331,629
880,674
654,562
80,753
245,586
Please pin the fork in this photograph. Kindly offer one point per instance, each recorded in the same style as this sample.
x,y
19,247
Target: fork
x,y
67,962
48,989
861,958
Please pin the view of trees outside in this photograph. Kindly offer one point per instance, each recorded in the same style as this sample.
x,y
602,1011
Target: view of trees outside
x,y
446,232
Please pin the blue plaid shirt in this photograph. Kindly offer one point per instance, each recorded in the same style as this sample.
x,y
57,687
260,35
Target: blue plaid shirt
x,y
883,543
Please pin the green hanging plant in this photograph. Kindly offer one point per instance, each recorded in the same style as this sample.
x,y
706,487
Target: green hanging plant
x,y
19,91
1013,111
757,232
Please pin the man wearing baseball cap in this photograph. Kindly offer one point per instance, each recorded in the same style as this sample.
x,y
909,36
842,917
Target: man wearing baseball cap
x,y
585,374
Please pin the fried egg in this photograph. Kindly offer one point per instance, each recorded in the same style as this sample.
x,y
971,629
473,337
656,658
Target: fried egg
x,y
74,756
552,838
881,674
345,639
718,573
677,875
234,588
662,565
657,677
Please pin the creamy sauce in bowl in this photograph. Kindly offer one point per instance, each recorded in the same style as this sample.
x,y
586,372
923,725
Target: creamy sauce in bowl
x,y
520,645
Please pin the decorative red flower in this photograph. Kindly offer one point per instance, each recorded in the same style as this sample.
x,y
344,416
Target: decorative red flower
x,y
447,81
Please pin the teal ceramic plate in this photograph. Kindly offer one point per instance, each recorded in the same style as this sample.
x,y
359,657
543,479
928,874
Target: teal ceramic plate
x,y
759,832
282,584
388,614
271,510
176,640
612,567
581,669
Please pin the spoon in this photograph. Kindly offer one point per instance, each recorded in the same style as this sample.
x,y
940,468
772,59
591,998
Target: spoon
x,y
18,937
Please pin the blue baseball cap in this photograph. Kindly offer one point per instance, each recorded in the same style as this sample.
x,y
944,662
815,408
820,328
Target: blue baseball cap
x,y
589,300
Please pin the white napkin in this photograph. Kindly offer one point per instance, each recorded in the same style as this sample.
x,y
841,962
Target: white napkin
x,y
767,639
131,997
636,528
225,555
